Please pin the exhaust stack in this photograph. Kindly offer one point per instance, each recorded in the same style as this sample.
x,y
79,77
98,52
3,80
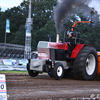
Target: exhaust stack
x,y
57,38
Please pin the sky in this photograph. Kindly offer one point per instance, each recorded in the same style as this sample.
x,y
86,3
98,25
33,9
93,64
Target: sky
x,y
96,5
4,4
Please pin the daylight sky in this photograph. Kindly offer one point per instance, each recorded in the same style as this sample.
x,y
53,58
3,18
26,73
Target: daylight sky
x,y
4,4
96,5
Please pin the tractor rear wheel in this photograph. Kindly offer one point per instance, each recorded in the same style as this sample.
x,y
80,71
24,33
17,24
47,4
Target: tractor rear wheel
x,y
32,73
58,71
67,73
85,64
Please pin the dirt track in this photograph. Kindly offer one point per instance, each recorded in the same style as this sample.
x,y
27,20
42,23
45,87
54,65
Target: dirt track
x,y
43,87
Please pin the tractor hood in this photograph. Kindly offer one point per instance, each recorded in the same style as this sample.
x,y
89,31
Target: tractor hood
x,y
52,45
47,50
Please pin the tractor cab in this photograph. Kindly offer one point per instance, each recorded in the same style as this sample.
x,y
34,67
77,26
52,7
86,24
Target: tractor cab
x,y
72,35
72,38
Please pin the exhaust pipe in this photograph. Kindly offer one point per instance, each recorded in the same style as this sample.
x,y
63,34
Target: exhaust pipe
x,y
57,38
49,36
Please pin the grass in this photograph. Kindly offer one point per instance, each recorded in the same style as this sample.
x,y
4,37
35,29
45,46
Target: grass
x,y
17,72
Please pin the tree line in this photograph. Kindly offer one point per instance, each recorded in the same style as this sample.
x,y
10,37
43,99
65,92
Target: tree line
x,y
43,24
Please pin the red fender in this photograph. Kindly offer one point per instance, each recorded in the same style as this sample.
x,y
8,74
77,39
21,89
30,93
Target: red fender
x,y
98,63
77,50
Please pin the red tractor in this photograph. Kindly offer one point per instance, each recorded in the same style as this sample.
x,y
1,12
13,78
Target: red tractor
x,y
56,58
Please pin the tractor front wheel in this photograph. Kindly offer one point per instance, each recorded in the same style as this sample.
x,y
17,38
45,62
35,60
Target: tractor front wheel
x,y
32,73
58,71
85,64
50,73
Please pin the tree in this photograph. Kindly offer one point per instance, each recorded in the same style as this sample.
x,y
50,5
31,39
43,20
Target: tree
x,y
19,37
16,17
42,34
2,27
42,12
0,9
43,24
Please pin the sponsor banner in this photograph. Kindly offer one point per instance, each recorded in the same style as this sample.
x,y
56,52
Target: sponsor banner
x,y
28,33
3,92
7,62
7,26
13,64
23,62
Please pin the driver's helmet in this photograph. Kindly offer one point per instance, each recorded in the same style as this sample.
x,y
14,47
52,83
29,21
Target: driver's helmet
x,y
69,32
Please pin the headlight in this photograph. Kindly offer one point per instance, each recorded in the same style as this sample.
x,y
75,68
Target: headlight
x,y
42,54
46,55
39,54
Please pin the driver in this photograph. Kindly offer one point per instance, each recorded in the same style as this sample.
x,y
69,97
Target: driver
x,y
70,38
70,34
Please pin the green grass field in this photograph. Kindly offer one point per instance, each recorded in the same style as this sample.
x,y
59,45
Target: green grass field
x,y
25,72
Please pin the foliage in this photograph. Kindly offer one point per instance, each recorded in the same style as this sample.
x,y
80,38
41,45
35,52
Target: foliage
x,y
43,24
42,34
19,37
41,14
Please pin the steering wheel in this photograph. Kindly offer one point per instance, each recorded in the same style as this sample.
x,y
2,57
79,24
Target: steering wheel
x,y
72,30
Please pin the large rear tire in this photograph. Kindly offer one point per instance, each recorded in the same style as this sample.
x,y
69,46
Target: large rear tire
x,y
32,73
67,73
58,71
85,64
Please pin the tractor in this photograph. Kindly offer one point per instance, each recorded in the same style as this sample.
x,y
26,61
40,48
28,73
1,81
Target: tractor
x,y
58,58
62,57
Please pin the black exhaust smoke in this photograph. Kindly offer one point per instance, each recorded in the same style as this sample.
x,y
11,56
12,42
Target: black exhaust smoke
x,y
63,8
